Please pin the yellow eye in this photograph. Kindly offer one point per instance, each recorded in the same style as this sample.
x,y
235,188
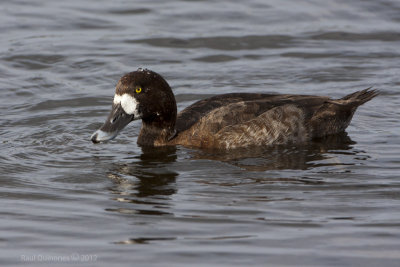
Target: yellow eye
x,y
138,90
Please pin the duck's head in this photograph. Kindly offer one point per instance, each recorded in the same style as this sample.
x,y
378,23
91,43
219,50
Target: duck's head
x,y
142,94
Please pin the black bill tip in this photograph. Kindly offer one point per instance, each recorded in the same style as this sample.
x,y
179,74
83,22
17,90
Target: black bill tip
x,y
94,138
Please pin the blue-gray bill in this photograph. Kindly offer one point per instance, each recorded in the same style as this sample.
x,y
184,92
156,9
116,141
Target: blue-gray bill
x,y
115,122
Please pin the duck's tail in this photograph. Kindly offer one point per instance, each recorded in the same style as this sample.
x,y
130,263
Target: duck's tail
x,y
360,97
335,115
353,100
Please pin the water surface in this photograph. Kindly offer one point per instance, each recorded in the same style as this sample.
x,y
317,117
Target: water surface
x,y
333,202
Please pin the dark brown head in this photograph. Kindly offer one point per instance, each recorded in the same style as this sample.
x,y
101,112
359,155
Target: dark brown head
x,y
142,94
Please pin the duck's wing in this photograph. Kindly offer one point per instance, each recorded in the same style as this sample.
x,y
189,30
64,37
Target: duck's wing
x,y
215,120
281,124
238,107
193,113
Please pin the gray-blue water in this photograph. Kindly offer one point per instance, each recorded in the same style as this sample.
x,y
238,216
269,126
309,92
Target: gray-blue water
x,y
67,201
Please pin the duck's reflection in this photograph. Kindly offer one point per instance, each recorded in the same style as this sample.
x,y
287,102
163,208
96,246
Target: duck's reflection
x,y
147,182
299,157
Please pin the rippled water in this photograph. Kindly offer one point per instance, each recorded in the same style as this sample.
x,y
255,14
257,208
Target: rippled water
x,y
333,202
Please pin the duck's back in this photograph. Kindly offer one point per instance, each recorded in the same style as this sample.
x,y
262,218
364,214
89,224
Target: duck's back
x,y
193,113
242,120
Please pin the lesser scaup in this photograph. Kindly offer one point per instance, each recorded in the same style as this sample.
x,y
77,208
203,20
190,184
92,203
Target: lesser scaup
x,y
224,121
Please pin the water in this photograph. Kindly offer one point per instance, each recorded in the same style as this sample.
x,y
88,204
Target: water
x,y
64,200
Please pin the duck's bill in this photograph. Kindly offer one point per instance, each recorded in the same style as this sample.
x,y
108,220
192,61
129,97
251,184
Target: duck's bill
x,y
115,122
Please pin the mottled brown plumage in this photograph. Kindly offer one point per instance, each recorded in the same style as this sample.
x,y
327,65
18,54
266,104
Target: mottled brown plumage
x,y
233,120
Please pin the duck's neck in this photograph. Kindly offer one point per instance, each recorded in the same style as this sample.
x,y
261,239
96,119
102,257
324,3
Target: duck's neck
x,y
157,132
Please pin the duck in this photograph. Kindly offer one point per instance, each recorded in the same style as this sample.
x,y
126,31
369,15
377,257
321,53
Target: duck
x,y
226,121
